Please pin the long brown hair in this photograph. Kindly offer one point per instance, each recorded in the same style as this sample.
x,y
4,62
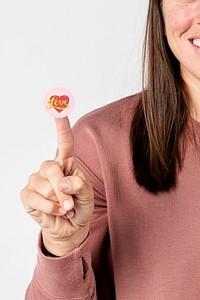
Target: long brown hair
x,y
162,112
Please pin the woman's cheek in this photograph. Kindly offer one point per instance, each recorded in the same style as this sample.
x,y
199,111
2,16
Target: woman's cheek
x,y
177,18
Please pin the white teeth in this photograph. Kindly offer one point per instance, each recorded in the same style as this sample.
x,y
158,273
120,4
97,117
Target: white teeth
x,y
196,42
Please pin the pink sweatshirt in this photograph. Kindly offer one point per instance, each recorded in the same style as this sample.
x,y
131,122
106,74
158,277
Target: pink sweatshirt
x,y
141,246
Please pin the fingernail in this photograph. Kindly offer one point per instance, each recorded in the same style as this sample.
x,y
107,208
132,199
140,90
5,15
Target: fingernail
x,y
61,211
67,205
65,185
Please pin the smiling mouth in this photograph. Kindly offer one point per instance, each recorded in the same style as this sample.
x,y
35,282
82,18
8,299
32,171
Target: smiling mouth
x,y
195,42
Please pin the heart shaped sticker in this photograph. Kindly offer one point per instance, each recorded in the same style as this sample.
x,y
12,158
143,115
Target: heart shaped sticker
x,y
59,102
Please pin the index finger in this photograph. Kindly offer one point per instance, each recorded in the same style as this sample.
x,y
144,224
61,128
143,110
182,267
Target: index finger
x,y
65,140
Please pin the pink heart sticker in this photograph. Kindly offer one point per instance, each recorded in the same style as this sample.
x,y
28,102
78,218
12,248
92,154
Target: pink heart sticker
x,y
59,102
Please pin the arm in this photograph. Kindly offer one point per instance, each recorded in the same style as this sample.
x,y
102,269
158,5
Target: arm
x,y
72,276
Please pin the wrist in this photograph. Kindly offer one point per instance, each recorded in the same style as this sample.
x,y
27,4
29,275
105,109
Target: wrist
x,y
54,247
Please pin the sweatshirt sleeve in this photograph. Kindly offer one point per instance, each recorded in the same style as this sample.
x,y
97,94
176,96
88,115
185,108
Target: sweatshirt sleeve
x,y
88,268
69,277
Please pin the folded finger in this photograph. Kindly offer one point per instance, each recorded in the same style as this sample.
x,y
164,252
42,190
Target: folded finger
x,y
42,187
53,172
33,201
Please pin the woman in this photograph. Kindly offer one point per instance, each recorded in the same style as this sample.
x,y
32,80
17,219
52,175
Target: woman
x,y
138,158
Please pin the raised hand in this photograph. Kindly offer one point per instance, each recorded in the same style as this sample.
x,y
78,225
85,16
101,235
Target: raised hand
x,y
59,197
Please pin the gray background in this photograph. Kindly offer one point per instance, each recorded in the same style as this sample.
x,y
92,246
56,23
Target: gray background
x,y
93,48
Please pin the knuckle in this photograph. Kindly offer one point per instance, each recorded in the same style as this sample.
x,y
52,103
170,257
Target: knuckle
x,y
47,193
24,193
32,178
26,199
45,164
50,167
